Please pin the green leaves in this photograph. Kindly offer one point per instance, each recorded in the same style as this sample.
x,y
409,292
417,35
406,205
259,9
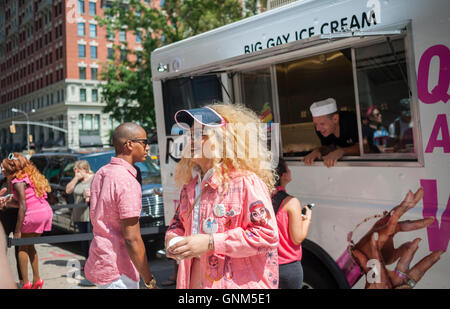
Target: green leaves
x,y
128,89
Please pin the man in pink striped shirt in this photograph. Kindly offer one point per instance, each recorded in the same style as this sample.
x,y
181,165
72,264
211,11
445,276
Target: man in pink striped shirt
x,y
117,254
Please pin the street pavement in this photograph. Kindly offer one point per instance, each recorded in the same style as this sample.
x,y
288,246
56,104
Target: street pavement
x,y
60,266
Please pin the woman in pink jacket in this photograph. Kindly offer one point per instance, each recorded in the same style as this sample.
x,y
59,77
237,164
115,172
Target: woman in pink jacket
x,y
225,215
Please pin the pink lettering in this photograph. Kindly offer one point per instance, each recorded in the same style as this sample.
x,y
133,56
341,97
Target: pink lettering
x,y
440,91
438,237
440,125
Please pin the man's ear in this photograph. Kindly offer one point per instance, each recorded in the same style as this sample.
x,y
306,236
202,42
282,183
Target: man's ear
x,y
127,147
335,118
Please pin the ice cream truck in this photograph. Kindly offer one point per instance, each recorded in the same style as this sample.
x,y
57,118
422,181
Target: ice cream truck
x,y
391,56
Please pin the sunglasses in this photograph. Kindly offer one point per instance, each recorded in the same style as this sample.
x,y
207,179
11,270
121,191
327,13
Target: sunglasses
x,y
142,141
12,157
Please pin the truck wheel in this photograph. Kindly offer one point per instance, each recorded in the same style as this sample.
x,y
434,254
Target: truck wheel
x,y
315,275
320,271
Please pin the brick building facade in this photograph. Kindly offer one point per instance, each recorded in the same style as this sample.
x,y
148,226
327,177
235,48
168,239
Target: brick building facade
x,y
51,54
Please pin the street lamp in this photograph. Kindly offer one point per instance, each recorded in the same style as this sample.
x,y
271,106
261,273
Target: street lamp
x,y
15,110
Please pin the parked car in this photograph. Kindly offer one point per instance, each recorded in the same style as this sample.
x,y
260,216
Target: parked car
x,y
58,169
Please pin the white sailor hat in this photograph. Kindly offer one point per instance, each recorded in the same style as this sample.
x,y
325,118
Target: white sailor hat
x,y
324,107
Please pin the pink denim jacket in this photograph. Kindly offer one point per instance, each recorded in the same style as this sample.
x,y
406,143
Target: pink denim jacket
x,y
244,229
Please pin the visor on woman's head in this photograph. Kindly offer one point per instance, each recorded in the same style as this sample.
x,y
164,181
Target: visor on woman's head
x,y
205,116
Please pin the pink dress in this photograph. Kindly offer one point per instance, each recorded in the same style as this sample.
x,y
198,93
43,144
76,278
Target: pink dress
x,y
38,215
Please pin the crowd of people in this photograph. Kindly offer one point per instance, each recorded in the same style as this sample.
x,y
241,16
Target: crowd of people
x,y
235,226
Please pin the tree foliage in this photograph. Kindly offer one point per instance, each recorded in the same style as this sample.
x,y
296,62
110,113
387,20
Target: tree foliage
x,y
127,88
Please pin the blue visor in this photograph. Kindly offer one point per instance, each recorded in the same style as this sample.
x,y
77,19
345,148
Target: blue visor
x,y
205,116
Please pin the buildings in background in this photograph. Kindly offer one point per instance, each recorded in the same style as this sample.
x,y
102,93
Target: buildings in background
x,y
272,4
51,53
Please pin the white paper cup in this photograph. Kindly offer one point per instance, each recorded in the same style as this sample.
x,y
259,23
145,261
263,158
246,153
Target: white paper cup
x,y
174,240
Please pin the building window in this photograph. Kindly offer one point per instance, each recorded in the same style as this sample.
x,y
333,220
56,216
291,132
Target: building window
x,y
81,29
93,52
92,9
94,95
122,35
138,37
88,122
94,74
93,30
81,50
82,95
110,53
81,6
82,71
80,122
123,55
96,122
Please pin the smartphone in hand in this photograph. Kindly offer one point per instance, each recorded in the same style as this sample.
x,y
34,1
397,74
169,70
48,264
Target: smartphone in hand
x,y
310,206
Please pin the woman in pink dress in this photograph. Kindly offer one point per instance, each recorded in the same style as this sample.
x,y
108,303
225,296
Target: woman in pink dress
x,y
29,188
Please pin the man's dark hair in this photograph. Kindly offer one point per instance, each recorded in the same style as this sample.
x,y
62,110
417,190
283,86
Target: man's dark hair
x,y
332,114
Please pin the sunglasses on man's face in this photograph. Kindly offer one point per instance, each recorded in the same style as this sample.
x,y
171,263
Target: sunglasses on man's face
x,y
142,141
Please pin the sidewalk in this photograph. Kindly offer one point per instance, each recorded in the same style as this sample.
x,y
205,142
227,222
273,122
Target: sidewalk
x,y
59,266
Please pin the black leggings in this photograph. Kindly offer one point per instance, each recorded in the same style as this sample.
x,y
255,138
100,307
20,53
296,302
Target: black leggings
x,y
291,275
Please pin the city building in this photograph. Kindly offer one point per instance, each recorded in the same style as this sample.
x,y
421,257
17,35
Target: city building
x,y
51,55
272,4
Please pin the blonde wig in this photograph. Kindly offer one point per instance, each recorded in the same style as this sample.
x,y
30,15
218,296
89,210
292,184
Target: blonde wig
x,y
20,167
240,146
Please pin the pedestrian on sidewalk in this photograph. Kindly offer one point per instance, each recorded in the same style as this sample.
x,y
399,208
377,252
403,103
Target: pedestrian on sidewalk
x,y
117,254
8,218
29,188
225,216
80,187
293,228
6,276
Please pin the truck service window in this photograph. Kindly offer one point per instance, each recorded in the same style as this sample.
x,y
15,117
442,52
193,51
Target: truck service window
x,y
187,93
305,81
256,94
384,98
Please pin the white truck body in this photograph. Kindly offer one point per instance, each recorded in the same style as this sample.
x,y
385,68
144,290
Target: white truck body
x,y
357,187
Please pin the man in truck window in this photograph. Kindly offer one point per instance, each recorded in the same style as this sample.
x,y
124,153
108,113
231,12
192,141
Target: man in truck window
x,y
337,131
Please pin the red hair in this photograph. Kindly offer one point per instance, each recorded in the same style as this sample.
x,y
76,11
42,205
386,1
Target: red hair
x,y
20,167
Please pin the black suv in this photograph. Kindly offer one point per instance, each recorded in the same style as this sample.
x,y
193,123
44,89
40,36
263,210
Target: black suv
x,y
58,169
